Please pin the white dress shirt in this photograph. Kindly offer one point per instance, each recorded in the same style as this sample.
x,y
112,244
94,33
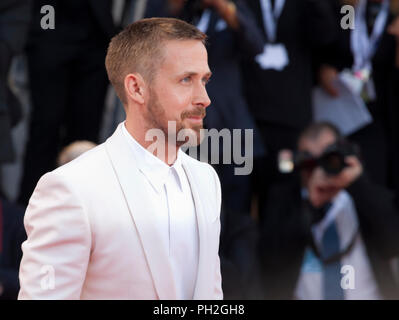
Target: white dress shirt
x,y
176,214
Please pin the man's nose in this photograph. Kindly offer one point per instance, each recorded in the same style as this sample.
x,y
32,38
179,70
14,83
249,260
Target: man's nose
x,y
201,97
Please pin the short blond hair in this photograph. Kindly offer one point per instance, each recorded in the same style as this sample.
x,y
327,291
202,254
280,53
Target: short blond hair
x,y
138,48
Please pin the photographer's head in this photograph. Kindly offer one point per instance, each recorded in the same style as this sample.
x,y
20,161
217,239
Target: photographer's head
x,y
159,69
313,141
316,141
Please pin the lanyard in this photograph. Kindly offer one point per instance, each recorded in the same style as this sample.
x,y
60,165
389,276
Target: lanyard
x,y
364,47
203,23
270,17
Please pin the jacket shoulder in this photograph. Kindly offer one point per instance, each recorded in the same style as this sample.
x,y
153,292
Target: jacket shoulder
x,y
89,162
84,174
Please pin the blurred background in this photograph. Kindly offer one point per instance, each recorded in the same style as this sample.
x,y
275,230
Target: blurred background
x,y
316,80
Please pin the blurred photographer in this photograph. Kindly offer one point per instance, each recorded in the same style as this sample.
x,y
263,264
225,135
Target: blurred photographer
x,y
332,232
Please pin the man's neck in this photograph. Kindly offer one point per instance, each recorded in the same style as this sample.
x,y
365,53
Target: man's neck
x,y
163,150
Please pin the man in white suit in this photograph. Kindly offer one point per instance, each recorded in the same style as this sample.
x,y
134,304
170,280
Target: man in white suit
x,y
123,221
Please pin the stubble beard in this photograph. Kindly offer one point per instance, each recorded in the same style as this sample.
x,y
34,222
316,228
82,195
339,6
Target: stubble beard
x,y
156,118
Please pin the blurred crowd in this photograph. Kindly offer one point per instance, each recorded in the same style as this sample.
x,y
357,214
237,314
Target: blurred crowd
x,y
324,191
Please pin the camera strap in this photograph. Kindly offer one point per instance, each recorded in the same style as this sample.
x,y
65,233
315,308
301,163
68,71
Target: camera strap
x,y
335,257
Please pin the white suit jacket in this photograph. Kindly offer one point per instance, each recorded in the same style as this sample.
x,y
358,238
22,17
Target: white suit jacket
x,y
92,232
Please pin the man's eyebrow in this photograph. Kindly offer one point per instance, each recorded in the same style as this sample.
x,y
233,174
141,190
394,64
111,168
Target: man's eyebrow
x,y
192,73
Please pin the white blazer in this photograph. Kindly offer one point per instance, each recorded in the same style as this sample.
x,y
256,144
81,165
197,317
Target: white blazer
x,y
92,231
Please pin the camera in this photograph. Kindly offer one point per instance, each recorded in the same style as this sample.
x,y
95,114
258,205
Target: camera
x,y
332,160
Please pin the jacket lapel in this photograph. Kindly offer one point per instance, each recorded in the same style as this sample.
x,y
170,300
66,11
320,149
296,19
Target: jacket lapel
x,y
143,214
205,265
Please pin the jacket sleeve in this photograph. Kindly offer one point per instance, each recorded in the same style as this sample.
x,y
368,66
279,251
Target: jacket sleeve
x,y
249,36
57,251
378,215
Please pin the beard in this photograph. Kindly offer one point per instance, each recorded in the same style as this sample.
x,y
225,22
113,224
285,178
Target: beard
x,y
176,131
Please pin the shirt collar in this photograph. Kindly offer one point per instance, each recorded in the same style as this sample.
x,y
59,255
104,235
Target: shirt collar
x,y
153,168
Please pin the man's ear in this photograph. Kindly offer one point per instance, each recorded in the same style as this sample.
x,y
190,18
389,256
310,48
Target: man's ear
x,y
135,87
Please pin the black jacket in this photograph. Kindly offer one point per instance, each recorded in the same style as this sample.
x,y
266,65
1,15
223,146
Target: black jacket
x,y
286,233
77,22
284,97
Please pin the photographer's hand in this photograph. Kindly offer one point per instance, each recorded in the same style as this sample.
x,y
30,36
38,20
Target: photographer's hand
x,y
176,6
226,9
349,174
323,188
327,74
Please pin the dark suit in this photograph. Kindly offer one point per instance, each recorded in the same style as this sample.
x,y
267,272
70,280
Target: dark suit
x,y
14,22
68,81
286,234
12,234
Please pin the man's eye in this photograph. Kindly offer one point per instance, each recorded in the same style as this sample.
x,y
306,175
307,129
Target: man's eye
x,y
186,79
206,81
